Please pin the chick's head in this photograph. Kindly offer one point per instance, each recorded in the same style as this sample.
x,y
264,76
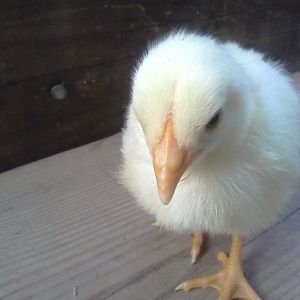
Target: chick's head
x,y
191,99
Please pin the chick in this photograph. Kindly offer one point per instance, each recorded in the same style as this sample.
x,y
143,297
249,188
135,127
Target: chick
x,y
211,144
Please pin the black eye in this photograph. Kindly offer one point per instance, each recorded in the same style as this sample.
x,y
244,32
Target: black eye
x,y
214,121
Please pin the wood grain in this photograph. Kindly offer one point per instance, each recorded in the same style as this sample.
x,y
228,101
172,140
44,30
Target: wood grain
x,y
57,36
43,125
66,223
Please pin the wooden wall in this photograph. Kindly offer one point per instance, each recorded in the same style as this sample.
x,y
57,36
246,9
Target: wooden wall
x,y
90,46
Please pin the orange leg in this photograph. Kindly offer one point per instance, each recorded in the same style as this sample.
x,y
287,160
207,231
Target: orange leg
x,y
230,280
156,225
196,246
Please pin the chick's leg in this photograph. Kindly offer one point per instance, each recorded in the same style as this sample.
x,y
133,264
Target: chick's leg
x,y
156,225
196,246
230,280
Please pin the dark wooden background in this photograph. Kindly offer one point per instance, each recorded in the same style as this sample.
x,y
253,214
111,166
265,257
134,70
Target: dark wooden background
x,y
91,46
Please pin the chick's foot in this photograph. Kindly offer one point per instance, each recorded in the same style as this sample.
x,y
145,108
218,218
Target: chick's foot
x,y
230,280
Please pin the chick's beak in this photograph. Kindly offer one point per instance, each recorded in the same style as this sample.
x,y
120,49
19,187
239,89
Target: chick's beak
x,y
170,161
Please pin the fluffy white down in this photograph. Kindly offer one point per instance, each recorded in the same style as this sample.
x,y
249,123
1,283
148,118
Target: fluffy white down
x,y
242,184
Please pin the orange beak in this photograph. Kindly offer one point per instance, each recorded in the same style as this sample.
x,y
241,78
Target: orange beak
x,y
169,161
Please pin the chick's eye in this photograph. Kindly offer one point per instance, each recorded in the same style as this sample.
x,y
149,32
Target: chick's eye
x,y
214,122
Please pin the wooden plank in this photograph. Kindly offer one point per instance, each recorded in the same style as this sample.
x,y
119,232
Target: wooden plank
x,y
65,222
57,35
42,125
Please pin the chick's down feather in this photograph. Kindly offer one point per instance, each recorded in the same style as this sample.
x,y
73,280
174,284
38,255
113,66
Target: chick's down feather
x,y
242,172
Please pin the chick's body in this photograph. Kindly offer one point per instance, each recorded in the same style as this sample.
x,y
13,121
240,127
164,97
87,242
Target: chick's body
x,y
242,183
